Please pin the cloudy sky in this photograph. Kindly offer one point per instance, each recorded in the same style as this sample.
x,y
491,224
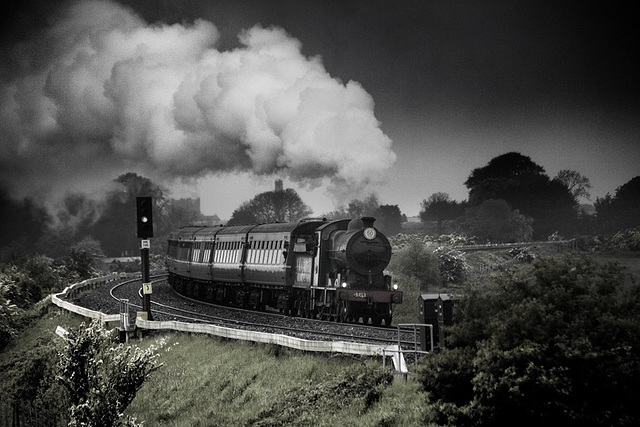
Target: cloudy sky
x,y
337,98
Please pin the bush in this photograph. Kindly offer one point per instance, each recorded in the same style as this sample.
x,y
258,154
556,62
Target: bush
x,y
627,240
453,265
416,262
102,379
562,346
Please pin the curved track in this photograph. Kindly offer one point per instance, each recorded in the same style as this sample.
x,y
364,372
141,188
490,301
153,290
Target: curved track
x,y
176,307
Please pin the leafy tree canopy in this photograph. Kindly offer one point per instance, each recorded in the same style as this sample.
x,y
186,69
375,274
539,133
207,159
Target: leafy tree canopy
x,y
440,207
271,206
116,228
622,211
523,184
494,221
577,184
389,219
500,173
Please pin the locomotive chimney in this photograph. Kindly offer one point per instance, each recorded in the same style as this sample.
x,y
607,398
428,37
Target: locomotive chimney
x,y
367,221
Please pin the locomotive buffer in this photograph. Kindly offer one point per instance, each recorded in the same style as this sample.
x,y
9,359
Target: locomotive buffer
x,y
145,231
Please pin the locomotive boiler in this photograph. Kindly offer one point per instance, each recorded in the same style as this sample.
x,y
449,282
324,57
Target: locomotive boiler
x,y
332,270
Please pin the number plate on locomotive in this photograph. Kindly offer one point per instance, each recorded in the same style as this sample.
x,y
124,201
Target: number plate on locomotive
x,y
359,294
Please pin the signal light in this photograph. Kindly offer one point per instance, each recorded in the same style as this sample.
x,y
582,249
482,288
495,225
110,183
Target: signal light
x,y
144,211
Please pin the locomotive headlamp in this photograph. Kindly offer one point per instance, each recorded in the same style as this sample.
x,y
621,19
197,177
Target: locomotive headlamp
x,y
344,284
369,233
395,286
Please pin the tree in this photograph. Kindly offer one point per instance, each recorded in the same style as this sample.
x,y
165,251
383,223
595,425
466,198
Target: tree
x,y
271,206
82,256
389,219
621,211
560,344
500,175
439,207
494,221
181,212
524,186
577,184
366,207
417,262
116,228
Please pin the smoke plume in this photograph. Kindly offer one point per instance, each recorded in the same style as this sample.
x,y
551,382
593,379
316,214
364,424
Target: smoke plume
x,y
100,92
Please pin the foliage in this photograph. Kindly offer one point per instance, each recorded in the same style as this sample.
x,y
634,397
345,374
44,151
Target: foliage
x,y
27,375
417,262
502,171
82,257
453,265
366,207
522,254
389,219
356,208
562,347
524,186
22,284
577,184
180,212
270,207
116,227
102,379
621,211
626,240
439,207
400,241
494,221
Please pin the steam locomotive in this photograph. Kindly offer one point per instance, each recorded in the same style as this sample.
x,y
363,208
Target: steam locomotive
x,y
331,270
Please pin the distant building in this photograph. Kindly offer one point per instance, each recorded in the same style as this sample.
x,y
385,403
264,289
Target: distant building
x,y
193,205
212,220
279,186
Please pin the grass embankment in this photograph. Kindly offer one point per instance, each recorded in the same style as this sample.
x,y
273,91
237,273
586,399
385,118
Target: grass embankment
x,y
205,381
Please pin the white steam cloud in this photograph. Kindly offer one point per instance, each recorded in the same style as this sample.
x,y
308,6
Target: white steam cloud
x,y
101,92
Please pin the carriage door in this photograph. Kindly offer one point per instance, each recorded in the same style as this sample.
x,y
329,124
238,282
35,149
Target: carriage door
x,y
303,252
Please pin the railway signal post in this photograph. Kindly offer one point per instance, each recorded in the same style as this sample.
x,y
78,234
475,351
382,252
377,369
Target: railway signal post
x,y
145,231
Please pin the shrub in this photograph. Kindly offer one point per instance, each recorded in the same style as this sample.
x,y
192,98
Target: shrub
x,y
102,379
627,240
453,265
562,345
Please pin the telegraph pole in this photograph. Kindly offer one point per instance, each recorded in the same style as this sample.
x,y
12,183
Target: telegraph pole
x,y
145,231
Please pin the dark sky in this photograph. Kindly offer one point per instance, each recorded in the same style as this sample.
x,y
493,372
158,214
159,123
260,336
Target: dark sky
x,y
455,83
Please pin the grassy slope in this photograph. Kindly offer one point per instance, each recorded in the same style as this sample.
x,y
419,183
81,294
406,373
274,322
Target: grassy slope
x,y
206,381
209,381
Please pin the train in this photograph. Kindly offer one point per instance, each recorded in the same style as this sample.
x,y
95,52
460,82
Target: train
x,y
314,268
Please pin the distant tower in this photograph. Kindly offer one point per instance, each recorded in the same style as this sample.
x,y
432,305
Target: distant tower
x,y
279,185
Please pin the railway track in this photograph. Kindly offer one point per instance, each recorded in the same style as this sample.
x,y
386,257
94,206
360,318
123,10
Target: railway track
x,y
168,305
